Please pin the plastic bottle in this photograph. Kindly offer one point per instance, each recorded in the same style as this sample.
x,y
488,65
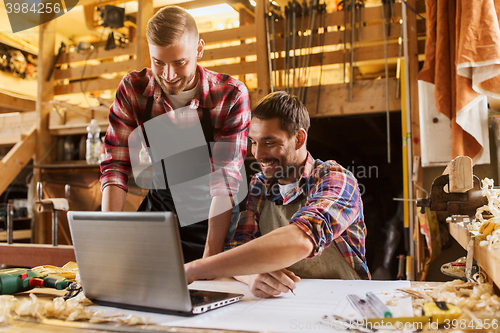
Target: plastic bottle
x,y
93,142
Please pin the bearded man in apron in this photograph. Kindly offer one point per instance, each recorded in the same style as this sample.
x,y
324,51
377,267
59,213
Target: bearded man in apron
x,y
304,217
193,124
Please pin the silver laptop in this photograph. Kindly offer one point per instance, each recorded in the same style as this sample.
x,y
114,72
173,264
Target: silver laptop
x,y
134,260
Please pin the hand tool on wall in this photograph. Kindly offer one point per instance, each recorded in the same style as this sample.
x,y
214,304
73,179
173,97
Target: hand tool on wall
x,y
353,29
360,5
322,11
313,10
294,17
268,16
286,30
304,49
16,280
274,16
344,9
302,39
61,50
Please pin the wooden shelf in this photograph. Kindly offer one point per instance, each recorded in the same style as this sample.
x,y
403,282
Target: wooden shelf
x,y
16,235
489,260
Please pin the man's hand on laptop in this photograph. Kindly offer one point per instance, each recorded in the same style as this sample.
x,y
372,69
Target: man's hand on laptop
x,y
270,284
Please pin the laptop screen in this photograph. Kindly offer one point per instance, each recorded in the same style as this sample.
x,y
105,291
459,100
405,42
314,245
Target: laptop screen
x,y
132,258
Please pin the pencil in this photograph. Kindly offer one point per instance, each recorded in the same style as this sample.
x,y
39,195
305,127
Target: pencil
x,y
289,288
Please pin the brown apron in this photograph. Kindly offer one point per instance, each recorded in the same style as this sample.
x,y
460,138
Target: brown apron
x,y
329,265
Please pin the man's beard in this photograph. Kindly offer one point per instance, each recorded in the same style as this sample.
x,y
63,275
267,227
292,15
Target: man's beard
x,y
175,90
284,170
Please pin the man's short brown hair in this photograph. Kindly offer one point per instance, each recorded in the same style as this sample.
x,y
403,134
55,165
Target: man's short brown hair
x,y
288,108
169,25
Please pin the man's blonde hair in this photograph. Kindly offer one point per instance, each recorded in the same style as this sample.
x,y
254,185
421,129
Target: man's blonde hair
x,y
169,25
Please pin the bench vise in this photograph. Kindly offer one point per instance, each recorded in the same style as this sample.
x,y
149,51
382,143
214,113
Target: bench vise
x,y
453,203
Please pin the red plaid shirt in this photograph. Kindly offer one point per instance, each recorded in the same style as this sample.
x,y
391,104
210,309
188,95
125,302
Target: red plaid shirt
x,y
226,98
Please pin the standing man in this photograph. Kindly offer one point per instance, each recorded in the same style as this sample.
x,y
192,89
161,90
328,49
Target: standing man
x,y
216,102
304,217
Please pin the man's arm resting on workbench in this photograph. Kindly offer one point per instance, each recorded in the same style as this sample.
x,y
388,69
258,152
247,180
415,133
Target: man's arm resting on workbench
x,y
269,253
113,199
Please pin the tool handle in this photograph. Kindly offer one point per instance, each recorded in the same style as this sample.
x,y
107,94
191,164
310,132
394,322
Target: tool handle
x,y
378,306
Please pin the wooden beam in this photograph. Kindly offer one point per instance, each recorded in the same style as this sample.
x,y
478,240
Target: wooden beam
x,y
16,235
88,85
242,50
16,103
32,255
146,11
368,97
16,159
44,152
94,71
235,69
263,78
242,32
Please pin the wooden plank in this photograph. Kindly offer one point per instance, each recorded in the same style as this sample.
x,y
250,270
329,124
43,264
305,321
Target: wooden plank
x,y
93,71
10,139
242,50
98,53
369,35
60,130
146,11
17,120
16,103
16,235
88,85
370,15
16,159
489,260
242,32
32,255
368,97
461,178
235,69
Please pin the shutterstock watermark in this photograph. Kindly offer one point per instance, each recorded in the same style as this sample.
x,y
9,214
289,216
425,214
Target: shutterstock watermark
x,y
27,14
184,165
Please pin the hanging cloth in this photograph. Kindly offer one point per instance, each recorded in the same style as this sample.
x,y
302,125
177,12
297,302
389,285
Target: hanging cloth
x,y
462,68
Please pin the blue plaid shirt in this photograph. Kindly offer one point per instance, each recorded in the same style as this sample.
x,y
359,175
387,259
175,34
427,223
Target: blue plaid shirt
x,y
333,211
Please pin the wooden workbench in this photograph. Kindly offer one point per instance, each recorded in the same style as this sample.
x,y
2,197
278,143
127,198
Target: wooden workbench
x,y
488,260
51,325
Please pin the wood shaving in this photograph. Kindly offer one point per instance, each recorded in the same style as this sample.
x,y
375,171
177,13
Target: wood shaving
x,y
69,271
74,309
493,196
393,302
466,295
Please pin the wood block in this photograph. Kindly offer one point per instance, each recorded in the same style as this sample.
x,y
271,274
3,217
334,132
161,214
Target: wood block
x,y
460,173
